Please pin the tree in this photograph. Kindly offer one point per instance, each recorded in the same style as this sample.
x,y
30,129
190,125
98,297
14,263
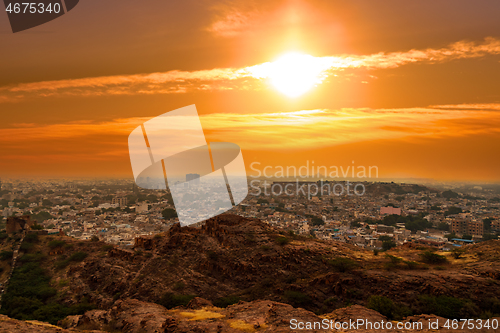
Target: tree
x,y
42,216
488,236
355,224
387,307
387,245
451,236
457,253
443,226
487,223
453,211
317,221
47,203
169,213
432,258
152,198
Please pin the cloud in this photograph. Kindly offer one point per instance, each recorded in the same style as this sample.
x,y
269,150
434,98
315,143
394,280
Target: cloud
x,y
476,106
246,78
305,129
233,24
323,128
233,18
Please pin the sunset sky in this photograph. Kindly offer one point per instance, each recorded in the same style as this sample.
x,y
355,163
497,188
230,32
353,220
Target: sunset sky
x,y
412,87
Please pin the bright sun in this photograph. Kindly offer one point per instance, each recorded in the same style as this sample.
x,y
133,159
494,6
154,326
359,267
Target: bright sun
x,y
294,73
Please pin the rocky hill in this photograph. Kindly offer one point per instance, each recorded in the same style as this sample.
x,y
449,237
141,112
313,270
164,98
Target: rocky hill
x,y
201,316
231,259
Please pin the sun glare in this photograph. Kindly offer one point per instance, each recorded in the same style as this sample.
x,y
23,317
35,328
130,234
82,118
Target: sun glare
x,y
292,74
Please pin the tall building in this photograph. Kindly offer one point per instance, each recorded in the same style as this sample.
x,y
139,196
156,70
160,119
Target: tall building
x,y
467,227
475,228
121,201
495,225
458,227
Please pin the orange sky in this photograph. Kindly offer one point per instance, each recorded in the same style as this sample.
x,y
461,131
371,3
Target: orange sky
x,y
411,88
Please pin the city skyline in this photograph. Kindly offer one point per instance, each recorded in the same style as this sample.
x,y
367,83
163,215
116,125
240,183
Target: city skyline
x,y
414,94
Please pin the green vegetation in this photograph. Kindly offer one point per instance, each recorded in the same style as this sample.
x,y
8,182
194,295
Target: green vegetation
x,y
6,255
170,300
412,222
56,243
355,224
169,213
432,258
387,245
443,226
453,211
343,264
107,247
451,236
296,298
457,253
385,238
399,263
30,296
488,236
42,216
224,302
179,286
33,257
75,257
445,306
31,238
282,241
388,308
26,246
317,221
78,256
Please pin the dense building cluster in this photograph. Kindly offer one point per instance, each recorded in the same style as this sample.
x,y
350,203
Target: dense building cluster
x,y
118,212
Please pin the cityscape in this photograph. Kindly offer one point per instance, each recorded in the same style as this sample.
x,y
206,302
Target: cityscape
x,y
118,211
250,166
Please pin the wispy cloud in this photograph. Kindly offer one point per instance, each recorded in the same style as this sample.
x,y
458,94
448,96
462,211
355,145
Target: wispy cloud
x,y
306,129
476,106
245,78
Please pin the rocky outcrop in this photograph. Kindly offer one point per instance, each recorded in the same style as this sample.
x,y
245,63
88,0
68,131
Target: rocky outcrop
x,y
9,325
134,316
232,255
